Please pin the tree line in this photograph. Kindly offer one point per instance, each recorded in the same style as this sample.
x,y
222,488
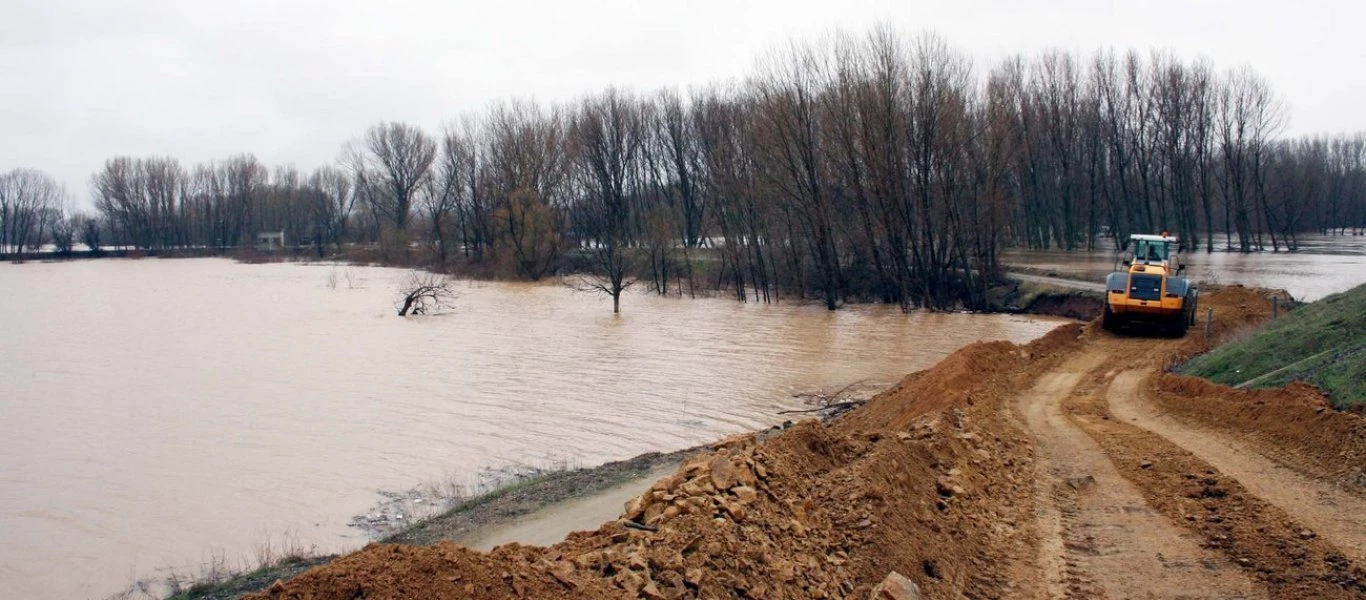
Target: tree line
x,y
876,166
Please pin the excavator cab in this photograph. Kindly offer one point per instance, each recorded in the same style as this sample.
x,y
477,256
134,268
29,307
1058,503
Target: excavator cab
x,y
1155,250
1149,294
1152,251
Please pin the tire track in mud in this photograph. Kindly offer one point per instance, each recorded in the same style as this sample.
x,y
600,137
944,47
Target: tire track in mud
x,y
1098,537
1236,526
1326,510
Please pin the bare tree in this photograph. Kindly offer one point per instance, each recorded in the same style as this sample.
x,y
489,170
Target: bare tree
x,y
794,161
402,156
332,204
63,231
529,171
608,132
1248,115
90,231
424,293
28,198
443,193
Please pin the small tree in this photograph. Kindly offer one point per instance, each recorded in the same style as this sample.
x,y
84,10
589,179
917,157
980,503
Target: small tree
x,y
609,272
64,233
424,293
89,230
608,131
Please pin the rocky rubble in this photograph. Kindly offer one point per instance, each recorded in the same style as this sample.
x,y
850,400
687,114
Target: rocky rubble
x,y
923,481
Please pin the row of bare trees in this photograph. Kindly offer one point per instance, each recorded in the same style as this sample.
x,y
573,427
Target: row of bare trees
x,y
154,203
877,166
33,212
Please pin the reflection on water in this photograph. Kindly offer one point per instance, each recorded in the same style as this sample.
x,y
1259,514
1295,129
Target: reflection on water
x,y
158,413
1324,265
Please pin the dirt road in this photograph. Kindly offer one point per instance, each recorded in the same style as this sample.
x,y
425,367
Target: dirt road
x,y
1330,510
1147,505
1072,467
1112,542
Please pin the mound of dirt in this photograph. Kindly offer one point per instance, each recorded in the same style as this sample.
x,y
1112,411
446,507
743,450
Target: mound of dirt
x,y
1070,305
1237,310
979,369
933,479
446,570
1295,423
919,482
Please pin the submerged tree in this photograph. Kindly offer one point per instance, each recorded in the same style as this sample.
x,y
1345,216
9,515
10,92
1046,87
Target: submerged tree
x,y
424,293
609,132
876,167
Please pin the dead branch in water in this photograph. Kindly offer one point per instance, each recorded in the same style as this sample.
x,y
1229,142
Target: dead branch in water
x,y
837,408
828,399
829,406
424,293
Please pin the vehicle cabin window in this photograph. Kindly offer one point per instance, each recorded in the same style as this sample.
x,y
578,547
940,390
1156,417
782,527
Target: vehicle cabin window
x,y
1150,251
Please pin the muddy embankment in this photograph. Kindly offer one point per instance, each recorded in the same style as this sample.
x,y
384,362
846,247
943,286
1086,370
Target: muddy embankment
x,y
1044,470
918,481
1015,296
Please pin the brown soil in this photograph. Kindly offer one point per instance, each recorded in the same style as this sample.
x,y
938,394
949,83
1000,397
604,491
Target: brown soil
x,y
1295,424
1111,542
998,473
1012,295
1070,305
1319,503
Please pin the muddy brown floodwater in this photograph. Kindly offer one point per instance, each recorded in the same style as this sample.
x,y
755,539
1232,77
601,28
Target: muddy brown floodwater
x,y
159,414
1323,265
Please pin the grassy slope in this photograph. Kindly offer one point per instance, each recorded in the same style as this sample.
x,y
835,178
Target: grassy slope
x,y
1323,343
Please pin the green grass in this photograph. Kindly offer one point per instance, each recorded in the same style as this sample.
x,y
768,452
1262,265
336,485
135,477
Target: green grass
x,y
1323,343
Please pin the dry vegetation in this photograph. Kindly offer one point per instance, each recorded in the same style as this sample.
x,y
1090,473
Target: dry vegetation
x,y
948,479
875,166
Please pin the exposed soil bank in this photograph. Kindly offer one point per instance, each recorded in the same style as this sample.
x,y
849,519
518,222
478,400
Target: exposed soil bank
x,y
1028,297
1323,343
947,480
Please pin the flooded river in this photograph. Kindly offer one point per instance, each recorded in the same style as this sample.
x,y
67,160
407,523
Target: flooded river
x,y
160,414
1323,265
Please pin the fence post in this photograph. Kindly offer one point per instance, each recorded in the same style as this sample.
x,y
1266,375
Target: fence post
x,y
1209,316
1275,308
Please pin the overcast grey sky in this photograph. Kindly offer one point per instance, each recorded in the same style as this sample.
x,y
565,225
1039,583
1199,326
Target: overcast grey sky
x,y
84,80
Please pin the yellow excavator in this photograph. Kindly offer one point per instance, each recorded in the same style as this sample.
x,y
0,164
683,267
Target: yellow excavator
x,y
1150,295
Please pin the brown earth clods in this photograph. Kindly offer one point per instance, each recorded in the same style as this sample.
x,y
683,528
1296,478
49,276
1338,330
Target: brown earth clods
x,y
1295,424
933,479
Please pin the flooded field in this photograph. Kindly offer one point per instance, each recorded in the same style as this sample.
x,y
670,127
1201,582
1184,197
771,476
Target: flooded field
x,y
159,414
1324,265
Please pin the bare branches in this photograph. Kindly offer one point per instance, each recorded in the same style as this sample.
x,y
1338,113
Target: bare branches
x,y
29,202
401,156
424,293
880,167
609,131
831,406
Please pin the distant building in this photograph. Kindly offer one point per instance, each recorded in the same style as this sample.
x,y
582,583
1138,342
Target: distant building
x,y
270,241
